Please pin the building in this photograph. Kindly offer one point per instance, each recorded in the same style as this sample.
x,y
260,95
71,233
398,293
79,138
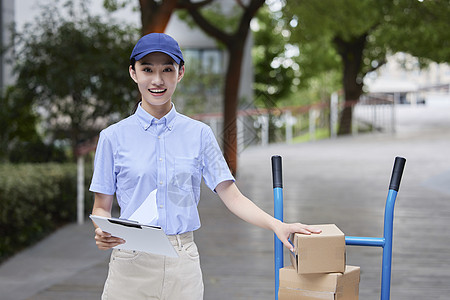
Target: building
x,y
402,78
6,21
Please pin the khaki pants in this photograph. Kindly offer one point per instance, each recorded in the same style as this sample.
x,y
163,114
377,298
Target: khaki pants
x,y
138,275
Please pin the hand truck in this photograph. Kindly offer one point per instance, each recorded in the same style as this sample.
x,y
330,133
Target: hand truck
x,y
385,242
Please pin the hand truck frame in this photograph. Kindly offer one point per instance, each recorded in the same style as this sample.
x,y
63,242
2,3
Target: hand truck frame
x,y
385,242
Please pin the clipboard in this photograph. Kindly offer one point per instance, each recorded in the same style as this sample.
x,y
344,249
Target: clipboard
x,y
139,237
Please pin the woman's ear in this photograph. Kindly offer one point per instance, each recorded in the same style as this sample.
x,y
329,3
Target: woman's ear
x,y
181,73
132,73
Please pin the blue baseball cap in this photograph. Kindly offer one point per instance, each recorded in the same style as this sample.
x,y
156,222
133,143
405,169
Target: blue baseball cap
x,y
157,42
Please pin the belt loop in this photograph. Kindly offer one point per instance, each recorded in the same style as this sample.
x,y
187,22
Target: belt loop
x,y
180,245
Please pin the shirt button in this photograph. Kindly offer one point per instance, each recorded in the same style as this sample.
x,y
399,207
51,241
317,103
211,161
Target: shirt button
x,y
161,206
160,182
160,159
159,136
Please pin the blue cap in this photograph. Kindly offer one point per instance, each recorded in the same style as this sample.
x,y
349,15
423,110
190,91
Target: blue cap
x,y
157,42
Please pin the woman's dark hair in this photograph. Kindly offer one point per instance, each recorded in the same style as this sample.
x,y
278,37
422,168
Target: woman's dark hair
x,y
133,64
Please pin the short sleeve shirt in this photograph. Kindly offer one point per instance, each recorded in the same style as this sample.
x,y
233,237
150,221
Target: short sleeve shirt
x,y
171,155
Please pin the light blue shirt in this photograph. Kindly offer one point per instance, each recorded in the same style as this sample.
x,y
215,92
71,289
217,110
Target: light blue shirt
x,y
141,153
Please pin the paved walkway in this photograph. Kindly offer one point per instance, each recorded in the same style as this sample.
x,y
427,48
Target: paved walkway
x,y
342,181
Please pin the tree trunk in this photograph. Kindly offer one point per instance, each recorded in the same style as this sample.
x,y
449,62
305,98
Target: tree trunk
x,y
155,16
231,101
351,53
235,44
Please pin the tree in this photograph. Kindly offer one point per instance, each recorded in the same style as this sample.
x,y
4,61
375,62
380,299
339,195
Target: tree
x,y
233,37
342,31
278,77
73,68
17,121
360,33
154,14
420,28
274,69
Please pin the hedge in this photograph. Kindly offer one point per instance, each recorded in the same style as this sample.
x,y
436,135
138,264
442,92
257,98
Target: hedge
x,y
35,199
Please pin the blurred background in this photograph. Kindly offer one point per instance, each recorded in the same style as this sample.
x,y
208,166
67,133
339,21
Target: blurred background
x,y
260,73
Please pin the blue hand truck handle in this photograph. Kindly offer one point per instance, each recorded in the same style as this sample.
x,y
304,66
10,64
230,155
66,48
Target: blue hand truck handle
x,y
386,241
396,177
277,178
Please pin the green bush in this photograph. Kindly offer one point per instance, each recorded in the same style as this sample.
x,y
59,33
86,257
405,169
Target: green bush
x,y
35,199
35,151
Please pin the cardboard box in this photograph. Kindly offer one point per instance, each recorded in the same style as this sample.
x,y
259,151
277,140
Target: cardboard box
x,y
331,286
319,253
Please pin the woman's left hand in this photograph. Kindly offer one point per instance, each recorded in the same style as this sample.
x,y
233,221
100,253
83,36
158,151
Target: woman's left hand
x,y
284,230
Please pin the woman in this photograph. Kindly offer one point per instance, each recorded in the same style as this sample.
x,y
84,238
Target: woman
x,y
154,161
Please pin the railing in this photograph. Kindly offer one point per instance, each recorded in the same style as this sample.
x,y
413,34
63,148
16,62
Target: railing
x,y
375,113
294,124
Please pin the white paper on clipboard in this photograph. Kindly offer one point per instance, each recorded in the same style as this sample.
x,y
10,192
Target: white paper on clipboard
x,y
137,236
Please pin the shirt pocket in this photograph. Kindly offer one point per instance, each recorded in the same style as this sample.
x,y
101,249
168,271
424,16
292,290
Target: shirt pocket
x,y
184,184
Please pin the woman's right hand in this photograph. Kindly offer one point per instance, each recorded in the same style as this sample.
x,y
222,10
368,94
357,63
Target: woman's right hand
x,y
106,241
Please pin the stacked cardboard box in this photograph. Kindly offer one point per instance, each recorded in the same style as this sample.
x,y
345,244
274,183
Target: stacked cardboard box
x,y
326,286
318,268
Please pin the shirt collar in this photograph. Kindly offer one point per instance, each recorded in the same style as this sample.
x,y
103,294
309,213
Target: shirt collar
x,y
146,120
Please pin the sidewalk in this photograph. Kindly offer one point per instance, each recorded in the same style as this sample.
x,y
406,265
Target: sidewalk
x,y
342,181
69,251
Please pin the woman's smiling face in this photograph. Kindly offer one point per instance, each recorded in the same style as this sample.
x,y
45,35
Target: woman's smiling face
x,y
157,76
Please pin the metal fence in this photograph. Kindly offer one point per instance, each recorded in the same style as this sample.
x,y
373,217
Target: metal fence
x,y
372,113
